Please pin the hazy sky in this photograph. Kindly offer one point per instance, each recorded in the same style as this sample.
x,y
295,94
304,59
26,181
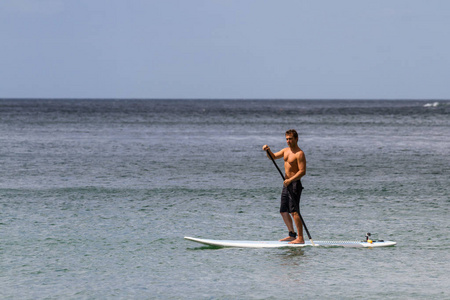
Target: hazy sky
x,y
379,49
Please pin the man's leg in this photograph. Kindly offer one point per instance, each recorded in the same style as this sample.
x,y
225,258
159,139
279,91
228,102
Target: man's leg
x,y
290,226
299,225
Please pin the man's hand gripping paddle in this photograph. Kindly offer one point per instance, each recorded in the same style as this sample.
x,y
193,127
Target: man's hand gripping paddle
x,y
292,196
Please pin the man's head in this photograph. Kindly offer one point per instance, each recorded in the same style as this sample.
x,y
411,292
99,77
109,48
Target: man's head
x,y
291,138
292,132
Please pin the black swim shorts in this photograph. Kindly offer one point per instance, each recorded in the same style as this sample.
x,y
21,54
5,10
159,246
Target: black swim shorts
x,y
287,203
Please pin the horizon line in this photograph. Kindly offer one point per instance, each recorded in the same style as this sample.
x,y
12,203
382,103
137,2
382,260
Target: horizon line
x,y
228,99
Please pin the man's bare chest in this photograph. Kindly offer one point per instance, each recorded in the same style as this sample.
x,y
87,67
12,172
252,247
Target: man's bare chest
x,y
290,158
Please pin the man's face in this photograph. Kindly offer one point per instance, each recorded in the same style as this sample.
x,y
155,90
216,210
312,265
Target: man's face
x,y
290,140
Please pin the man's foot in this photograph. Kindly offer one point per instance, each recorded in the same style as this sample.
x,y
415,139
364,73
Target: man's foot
x,y
297,241
287,239
291,237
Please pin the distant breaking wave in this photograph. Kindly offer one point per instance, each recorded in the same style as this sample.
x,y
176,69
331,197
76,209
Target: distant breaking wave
x,y
434,104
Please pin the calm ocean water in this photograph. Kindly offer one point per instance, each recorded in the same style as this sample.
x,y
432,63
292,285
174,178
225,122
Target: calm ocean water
x,y
96,197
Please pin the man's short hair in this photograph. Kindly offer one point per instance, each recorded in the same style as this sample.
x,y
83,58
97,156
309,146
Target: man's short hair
x,y
293,132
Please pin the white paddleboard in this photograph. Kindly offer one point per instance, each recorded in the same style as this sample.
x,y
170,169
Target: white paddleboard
x,y
278,244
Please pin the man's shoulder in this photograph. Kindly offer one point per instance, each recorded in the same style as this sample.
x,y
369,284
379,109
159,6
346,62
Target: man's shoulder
x,y
301,155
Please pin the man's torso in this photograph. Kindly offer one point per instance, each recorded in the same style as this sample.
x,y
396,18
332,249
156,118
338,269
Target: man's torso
x,y
291,161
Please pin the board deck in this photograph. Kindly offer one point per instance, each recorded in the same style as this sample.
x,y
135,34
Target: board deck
x,y
278,244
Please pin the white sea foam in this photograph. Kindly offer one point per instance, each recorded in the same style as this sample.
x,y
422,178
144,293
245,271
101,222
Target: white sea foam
x,y
434,104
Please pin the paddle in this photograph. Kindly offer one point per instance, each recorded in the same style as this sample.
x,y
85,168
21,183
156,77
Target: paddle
x,y
292,196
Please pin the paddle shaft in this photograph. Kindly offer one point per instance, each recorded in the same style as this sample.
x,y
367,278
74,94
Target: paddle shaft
x,y
292,196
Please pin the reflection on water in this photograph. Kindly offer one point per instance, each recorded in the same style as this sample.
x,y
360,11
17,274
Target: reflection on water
x,y
290,256
206,247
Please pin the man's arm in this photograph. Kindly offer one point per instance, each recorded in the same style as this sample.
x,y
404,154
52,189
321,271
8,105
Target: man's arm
x,y
277,155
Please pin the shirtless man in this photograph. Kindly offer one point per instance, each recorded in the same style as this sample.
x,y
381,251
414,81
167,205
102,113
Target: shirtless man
x,y
295,169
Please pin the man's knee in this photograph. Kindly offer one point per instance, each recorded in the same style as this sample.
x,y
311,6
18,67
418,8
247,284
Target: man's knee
x,y
295,214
